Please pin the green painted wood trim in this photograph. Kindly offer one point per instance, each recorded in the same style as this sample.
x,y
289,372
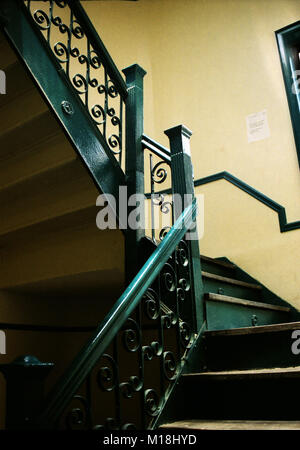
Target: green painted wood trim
x,y
156,148
55,87
286,39
86,359
243,302
182,183
134,163
283,224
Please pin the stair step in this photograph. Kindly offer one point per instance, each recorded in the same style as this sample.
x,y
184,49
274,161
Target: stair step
x,y
217,267
243,302
57,191
233,425
31,132
251,347
255,330
65,262
218,262
226,312
219,284
22,109
232,281
264,395
50,225
33,173
53,152
278,372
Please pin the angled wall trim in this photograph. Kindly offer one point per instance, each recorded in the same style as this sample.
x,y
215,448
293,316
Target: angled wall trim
x,y
283,224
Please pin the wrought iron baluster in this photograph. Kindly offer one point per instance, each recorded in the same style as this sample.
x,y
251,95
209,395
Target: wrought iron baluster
x,y
120,131
118,413
50,18
87,76
67,53
152,199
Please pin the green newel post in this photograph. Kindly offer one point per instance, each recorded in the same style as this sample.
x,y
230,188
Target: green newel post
x,y
25,378
134,168
183,183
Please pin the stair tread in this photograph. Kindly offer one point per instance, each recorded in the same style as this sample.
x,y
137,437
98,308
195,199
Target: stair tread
x,y
240,301
255,330
218,262
234,425
231,281
276,372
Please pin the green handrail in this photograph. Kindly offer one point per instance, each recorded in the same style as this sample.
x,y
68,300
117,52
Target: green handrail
x,y
81,366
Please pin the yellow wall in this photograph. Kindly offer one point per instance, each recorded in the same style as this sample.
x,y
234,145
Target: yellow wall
x,y
211,63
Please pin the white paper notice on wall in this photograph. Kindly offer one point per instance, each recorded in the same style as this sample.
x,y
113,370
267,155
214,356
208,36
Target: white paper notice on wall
x,y
257,126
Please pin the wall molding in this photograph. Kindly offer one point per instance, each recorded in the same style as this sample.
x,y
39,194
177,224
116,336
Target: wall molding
x,y
283,224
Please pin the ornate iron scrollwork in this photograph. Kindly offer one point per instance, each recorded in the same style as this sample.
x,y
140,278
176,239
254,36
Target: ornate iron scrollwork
x,y
145,356
73,50
159,173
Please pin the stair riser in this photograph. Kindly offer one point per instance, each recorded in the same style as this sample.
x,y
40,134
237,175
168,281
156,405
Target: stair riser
x,y
210,267
221,315
251,351
220,287
268,399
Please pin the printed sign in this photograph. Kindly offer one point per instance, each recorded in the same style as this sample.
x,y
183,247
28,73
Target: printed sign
x,y
257,126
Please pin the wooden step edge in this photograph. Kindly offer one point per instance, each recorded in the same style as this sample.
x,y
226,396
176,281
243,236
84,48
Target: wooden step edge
x,y
277,372
233,281
243,302
255,329
233,425
217,262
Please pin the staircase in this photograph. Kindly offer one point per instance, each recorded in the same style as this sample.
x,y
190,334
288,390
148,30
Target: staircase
x,y
244,375
180,327
60,274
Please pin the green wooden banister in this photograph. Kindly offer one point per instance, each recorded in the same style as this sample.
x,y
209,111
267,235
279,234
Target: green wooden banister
x,y
107,330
